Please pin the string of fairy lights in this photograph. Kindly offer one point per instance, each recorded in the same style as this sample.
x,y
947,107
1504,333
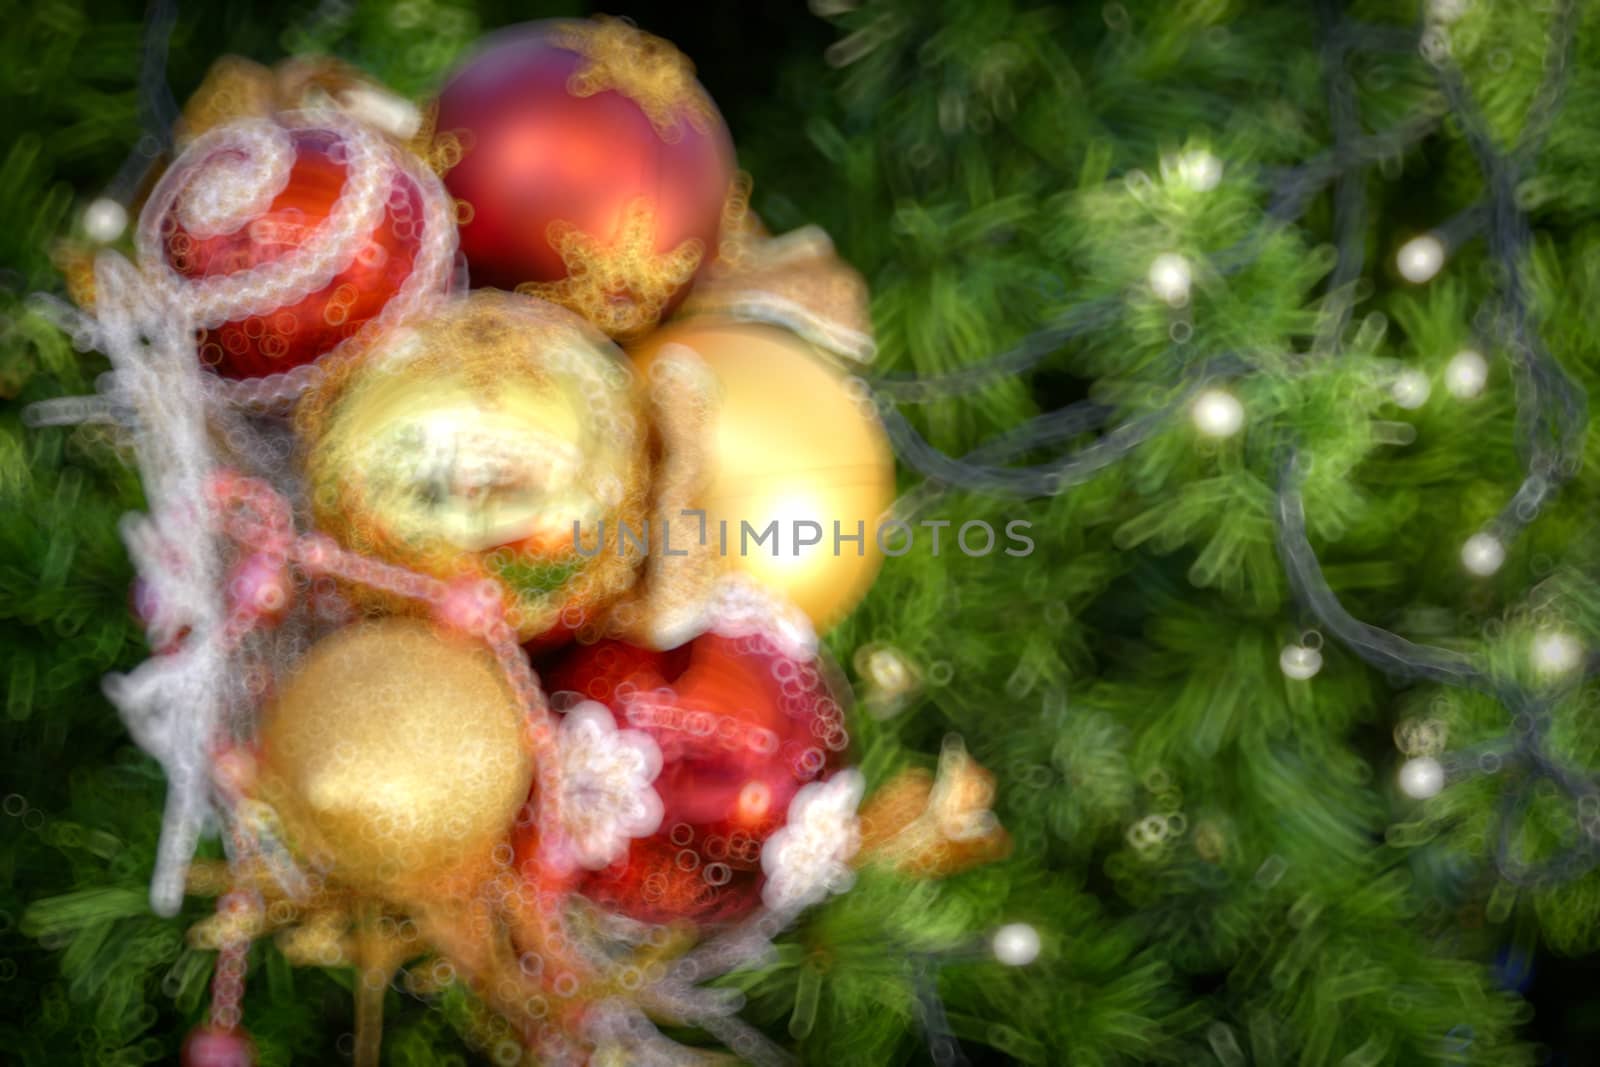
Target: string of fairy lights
x,y
1551,408
1551,421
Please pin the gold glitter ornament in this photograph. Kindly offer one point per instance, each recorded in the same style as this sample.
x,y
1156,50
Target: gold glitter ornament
x,y
395,760
796,281
596,270
496,440
645,69
787,443
665,607
934,826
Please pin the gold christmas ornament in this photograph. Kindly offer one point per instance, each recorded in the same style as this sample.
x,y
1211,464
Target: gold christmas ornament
x,y
394,758
796,281
798,474
933,827
497,439
666,607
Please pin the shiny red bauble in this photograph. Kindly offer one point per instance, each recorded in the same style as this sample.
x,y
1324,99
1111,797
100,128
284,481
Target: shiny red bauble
x,y
742,726
595,169
286,237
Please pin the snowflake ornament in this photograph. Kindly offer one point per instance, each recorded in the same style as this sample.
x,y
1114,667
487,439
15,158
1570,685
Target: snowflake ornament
x,y
738,606
809,857
606,775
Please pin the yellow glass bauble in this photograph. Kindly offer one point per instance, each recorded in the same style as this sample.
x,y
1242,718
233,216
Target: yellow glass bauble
x,y
394,757
792,447
491,439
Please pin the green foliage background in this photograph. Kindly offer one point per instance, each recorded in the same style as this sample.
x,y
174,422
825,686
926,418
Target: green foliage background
x,y
989,166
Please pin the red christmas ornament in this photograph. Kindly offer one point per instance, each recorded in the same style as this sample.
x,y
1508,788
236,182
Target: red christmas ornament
x,y
289,236
213,1046
741,726
595,169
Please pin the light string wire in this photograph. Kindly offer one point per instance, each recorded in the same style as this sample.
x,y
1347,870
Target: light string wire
x,y
1349,199
1552,418
158,110
1551,415
1294,190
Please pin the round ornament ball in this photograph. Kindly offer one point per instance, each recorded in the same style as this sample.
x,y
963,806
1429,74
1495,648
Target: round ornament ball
x,y
740,725
801,475
593,167
395,759
216,1046
497,439
286,237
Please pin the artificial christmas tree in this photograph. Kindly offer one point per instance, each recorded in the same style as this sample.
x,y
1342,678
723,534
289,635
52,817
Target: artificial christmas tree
x,y
1271,323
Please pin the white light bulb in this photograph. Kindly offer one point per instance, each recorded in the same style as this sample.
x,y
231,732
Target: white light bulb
x,y
1556,653
1016,944
1410,389
1466,374
1200,170
1170,277
1422,777
1420,258
104,220
1217,413
889,671
1483,554
1299,662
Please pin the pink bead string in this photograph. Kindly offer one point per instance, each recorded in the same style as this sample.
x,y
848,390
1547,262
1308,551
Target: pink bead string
x,y
237,910
227,981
